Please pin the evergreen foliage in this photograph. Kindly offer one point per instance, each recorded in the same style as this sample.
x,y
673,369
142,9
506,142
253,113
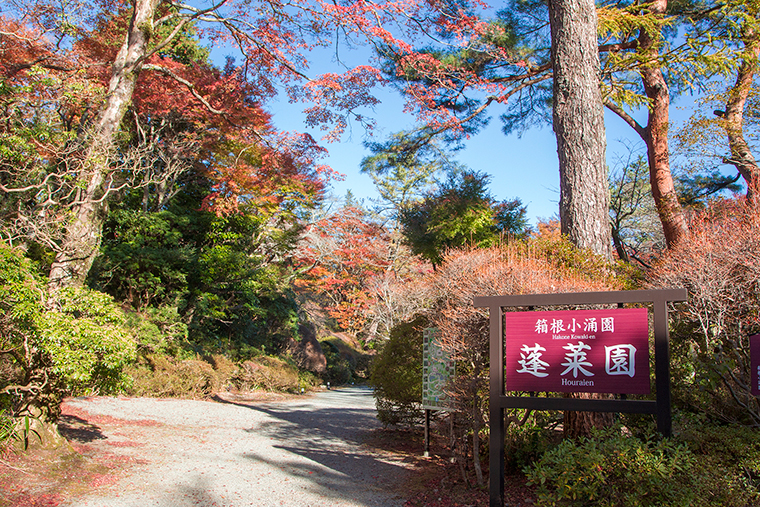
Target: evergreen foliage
x,y
74,341
461,212
397,374
223,276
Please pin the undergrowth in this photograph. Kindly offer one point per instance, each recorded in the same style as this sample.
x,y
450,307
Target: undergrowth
x,y
157,375
703,465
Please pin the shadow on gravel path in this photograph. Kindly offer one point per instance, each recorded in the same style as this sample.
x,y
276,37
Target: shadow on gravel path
x,y
76,429
307,451
324,431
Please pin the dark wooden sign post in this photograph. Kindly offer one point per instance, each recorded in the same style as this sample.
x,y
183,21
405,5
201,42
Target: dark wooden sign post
x,y
498,401
754,370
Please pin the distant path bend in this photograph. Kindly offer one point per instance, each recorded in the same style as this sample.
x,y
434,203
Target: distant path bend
x,y
306,451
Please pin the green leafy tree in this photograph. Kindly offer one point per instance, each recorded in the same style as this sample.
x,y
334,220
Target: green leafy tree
x,y
727,133
397,374
75,343
404,167
460,212
225,277
239,295
145,257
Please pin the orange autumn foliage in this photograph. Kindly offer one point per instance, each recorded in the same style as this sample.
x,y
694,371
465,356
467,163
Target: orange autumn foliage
x,y
719,264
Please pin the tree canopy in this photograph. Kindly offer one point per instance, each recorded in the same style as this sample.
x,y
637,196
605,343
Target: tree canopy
x,y
461,212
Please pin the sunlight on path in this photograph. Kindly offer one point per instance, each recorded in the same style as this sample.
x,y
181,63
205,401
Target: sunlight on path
x,y
302,452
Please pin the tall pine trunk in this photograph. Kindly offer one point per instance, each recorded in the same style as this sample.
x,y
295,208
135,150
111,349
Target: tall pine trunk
x,y
581,145
656,134
82,237
741,154
579,125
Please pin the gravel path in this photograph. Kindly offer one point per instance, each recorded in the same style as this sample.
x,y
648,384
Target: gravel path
x,y
302,452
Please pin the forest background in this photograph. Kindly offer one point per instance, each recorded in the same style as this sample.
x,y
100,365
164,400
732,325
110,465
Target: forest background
x,y
160,236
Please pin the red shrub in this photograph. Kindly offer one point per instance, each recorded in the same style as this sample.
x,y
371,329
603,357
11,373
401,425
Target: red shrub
x,y
719,264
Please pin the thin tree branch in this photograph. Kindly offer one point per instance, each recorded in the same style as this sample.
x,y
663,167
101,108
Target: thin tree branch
x,y
630,120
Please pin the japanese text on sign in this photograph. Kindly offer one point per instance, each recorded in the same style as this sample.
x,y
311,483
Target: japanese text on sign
x,y
437,370
602,351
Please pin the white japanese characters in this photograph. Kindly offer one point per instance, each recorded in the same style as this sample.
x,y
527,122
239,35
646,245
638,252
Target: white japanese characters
x,y
531,361
620,359
576,359
561,329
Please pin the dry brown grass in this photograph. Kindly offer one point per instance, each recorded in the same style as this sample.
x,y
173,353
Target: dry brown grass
x,y
162,376
268,374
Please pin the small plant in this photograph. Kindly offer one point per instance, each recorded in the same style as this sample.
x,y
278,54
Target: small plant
x,y
18,430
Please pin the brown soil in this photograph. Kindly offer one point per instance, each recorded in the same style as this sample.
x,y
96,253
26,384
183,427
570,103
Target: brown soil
x,y
439,482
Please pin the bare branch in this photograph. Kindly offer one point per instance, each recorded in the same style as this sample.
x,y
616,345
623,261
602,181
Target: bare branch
x,y
184,20
630,120
190,86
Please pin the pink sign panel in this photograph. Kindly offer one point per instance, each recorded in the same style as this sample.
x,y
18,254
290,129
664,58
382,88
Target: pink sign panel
x,y
590,351
754,356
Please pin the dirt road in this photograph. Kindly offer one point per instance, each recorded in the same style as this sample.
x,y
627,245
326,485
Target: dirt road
x,y
307,451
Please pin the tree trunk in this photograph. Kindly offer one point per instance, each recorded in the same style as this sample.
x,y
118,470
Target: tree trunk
x,y
81,241
581,143
579,125
580,424
741,155
656,135
82,237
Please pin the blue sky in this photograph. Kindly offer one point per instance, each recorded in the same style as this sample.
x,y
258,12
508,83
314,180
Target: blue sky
x,y
523,166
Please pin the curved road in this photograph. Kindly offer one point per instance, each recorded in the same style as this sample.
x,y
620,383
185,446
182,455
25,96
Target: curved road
x,y
302,452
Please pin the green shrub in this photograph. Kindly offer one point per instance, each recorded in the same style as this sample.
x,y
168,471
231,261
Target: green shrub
x,y
88,341
75,341
705,465
307,380
529,436
728,463
614,470
158,330
396,374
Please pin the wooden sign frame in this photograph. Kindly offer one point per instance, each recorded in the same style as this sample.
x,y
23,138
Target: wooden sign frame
x,y
498,401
